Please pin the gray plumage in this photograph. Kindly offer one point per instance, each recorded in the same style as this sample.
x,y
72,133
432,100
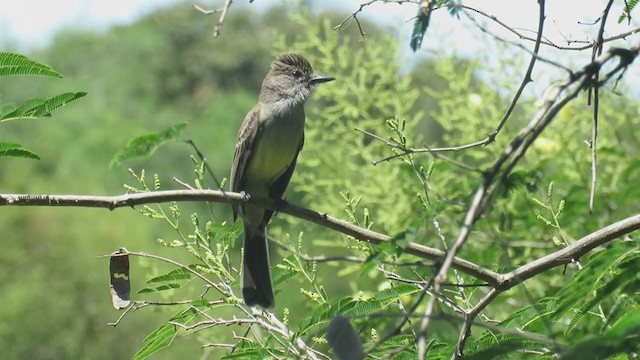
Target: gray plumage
x,y
267,148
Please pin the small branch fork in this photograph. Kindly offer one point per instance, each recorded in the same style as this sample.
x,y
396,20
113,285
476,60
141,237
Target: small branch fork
x,y
223,15
354,15
584,44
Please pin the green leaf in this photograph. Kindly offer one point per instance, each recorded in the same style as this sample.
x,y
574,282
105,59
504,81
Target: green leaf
x,y
626,12
37,108
12,64
611,268
421,25
617,282
324,314
163,287
164,335
504,348
622,337
363,308
174,275
530,318
255,352
394,293
16,151
145,145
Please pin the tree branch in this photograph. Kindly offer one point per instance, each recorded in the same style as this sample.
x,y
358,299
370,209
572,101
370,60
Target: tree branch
x,y
515,151
499,282
155,197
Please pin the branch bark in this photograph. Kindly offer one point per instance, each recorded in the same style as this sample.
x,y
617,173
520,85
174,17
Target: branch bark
x,y
155,197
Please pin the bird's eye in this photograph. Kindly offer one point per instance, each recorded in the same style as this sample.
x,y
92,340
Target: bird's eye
x,y
297,74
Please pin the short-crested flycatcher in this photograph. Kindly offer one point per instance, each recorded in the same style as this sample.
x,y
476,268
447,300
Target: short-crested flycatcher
x,y
267,147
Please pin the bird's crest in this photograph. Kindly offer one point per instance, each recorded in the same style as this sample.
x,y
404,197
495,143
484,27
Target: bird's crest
x,y
292,60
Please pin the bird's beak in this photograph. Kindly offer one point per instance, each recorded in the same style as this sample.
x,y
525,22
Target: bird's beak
x,y
318,79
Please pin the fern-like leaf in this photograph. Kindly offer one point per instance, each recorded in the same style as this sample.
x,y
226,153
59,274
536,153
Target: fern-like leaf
x,y
596,273
164,335
12,64
619,281
145,145
324,314
37,108
626,12
16,151
623,337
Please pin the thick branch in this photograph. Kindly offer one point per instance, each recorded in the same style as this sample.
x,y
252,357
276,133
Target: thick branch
x,y
130,200
571,252
560,257
515,152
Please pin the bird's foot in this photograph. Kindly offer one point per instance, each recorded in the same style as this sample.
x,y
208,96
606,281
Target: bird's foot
x,y
245,197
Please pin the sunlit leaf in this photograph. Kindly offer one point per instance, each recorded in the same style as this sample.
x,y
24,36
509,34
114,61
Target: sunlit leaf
x,y
145,145
164,335
16,151
37,108
12,64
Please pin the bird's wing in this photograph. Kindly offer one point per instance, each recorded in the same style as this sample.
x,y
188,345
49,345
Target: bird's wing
x,y
245,145
280,185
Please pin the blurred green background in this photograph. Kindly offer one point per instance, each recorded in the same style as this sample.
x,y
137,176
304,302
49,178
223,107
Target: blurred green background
x,y
141,78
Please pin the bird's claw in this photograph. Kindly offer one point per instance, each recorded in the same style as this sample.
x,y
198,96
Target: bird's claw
x,y
245,197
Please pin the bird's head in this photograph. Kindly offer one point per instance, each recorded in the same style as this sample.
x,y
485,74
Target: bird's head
x,y
291,79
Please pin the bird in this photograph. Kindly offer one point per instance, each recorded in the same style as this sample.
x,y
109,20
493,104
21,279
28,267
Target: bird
x,y
267,147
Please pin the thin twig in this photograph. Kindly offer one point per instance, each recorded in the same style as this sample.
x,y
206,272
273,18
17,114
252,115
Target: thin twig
x,y
597,51
587,44
223,15
204,161
477,204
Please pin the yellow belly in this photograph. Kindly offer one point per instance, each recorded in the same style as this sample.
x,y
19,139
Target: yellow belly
x,y
276,149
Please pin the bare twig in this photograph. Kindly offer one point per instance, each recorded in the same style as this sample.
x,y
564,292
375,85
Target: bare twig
x,y
223,15
478,200
354,15
403,150
587,44
597,50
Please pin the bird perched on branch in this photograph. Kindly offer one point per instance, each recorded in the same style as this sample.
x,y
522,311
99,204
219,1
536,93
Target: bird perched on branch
x,y
267,147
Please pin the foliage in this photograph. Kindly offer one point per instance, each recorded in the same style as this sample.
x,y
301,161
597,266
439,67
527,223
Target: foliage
x,y
626,13
12,64
145,145
136,84
587,310
336,159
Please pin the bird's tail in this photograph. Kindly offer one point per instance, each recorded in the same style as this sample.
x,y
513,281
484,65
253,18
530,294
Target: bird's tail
x,y
256,271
